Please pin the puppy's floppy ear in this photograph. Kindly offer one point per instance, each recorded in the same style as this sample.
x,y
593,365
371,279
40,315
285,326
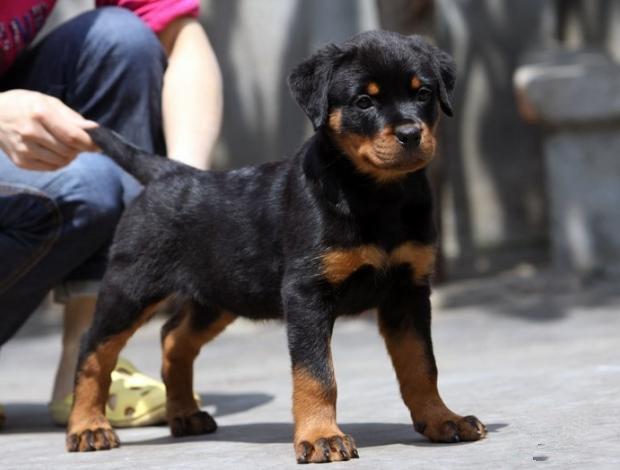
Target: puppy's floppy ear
x,y
309,83
444,69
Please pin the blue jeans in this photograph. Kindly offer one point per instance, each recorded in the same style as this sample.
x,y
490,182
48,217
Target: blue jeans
x,y
56,226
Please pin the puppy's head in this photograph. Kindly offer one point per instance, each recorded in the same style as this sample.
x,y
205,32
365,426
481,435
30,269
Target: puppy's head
x,y
378,96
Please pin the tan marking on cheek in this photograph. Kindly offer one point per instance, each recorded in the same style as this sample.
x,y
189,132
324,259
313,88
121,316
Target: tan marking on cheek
x,y
416,83
373,89
338,265
314,407
421,259
335,120
385,145
357,147
362,151
428,142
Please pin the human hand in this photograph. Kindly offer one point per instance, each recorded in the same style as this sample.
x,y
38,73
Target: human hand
x,y
40,132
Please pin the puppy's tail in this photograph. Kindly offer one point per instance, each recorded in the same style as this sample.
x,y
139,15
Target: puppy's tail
x,y
141,165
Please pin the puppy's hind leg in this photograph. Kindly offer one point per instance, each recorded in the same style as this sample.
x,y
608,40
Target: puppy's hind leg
x,y
182,337
116,318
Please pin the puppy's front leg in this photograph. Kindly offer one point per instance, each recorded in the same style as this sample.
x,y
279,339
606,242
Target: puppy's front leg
x,y
405,323
309,327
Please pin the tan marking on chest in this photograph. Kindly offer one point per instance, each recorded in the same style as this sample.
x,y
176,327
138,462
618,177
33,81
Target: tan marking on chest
x,y
339,264
421,259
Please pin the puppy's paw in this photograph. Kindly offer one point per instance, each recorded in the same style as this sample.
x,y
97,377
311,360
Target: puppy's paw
x,y
326,449
98,436
199,422
452,429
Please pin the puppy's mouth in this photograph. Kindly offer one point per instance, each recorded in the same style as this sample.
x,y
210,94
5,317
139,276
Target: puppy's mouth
x,y
388,155
393,155
399,160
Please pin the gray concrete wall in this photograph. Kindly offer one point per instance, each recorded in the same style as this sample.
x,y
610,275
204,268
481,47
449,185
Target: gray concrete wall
x,y
590,24
257,43
575,98
493,197
583,170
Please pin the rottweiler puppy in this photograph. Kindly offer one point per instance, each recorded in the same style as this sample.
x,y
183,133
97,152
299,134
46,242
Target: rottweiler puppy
x,y
342,227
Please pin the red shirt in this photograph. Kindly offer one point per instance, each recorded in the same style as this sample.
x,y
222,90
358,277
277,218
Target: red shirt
x,y
21,20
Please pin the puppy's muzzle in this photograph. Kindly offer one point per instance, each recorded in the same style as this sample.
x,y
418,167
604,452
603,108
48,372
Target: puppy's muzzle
x,y
408,135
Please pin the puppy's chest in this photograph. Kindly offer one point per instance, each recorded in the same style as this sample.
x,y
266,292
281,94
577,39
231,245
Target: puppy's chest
x,y
380,242
340,264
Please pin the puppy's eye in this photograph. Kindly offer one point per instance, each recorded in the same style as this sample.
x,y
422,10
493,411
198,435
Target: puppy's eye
x,y
424,94
363,102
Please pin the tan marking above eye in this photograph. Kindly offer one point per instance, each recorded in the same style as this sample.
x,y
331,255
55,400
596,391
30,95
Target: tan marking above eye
x,y
373,88
415,82
339,264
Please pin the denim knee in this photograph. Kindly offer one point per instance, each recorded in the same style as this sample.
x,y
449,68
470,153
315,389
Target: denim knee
x,y
120,32
92,199
119,77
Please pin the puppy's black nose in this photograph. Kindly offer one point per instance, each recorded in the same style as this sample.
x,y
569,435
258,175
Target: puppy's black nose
x,y
408,135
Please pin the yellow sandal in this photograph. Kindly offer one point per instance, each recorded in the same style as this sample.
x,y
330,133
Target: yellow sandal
x,y
135,399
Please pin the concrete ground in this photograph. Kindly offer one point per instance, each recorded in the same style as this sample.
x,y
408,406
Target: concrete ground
x,y
536,359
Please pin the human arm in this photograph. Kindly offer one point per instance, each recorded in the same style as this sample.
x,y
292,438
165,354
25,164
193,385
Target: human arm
x,y
192,93
39,132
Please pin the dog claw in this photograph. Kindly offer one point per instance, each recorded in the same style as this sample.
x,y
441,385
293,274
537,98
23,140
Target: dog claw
x,y
91,440
336,445
324,448
335,448
454,430
305,452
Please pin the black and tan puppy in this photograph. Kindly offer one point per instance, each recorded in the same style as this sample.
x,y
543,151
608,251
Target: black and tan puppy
x,y
343,226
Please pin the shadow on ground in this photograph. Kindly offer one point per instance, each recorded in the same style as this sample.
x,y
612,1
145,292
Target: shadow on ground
x,y
228,404
365,434
34,417
541,296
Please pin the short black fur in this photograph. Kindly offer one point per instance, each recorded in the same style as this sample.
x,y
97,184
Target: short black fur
x,y
254,241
